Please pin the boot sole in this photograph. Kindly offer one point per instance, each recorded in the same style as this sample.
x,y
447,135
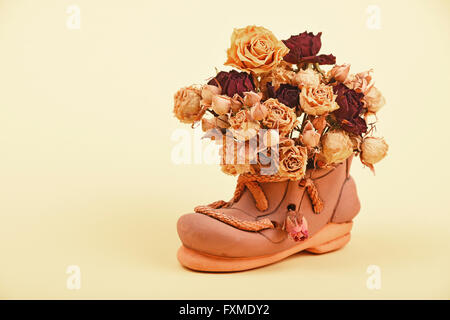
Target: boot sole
x,y
330,238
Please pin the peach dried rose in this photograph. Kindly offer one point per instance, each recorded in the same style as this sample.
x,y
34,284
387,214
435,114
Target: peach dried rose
x,y
235,169
208,92
187,106
252,98
336,147
279,117
339,73
255,49
307,78
238,119
318,101
360,82
242,126
258,111
374,100
293,160
373,150
221,104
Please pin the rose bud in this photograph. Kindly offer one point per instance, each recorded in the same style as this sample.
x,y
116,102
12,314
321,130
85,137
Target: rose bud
x,y
236,103
320,123
208,124
208,91
258,111
221,104
251,98
373,150
307,78
336,147
340,73
374,100
271,138
310,136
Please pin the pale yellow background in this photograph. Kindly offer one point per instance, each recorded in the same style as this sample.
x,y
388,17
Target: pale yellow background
x,y
86,176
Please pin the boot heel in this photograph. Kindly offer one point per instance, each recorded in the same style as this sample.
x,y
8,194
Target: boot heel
x,y
331,245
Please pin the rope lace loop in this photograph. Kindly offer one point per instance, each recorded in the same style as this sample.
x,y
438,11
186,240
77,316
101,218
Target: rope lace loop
x,y
252,183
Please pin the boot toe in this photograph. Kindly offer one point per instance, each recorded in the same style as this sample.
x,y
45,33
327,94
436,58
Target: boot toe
x,y
208,235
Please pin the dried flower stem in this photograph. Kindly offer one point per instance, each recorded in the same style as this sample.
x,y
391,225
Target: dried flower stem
x,y
212,112
317,67
305,118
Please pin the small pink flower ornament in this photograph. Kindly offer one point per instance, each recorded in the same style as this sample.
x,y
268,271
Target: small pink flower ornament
x,y
296,231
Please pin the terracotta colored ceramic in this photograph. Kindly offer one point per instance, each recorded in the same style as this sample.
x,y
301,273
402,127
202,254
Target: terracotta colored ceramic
x,y
215,246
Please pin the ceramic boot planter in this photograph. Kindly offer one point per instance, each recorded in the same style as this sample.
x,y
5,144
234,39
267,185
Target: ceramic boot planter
x,y
224,243
289,130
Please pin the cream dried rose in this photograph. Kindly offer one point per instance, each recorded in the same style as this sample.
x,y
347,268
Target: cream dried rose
x,y
318,101
373,150
307,78
279,117
293,160
187,107
374,100
336,147
255,49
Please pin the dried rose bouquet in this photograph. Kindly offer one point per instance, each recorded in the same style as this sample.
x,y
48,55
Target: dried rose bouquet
x,y
282,108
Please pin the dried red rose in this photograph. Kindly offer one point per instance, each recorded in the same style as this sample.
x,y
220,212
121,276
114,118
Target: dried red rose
x,y
305,47
356,126
350,108
286,94
233,82
320,59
